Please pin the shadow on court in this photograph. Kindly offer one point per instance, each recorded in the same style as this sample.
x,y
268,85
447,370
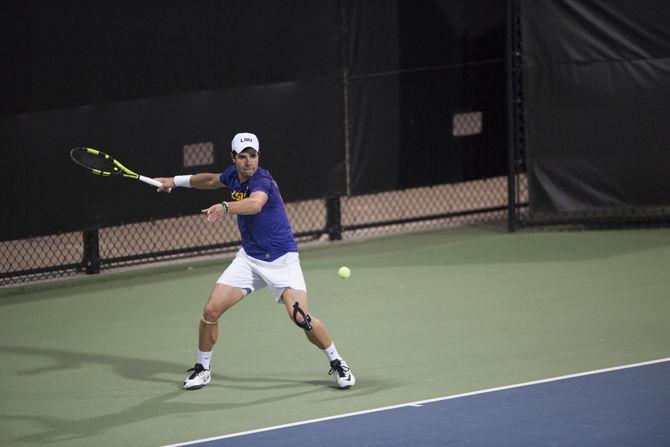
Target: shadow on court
x,y
110,281
57,429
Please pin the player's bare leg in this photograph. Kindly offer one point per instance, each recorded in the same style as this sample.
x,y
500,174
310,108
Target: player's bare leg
x,y
318,335
296,306
220,299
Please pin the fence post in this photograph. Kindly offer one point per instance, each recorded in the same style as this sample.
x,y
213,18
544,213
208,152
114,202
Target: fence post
x,y
91,259
510,69
333,219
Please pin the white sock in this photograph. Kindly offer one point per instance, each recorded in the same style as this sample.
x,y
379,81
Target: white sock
x,y
204,358
331,353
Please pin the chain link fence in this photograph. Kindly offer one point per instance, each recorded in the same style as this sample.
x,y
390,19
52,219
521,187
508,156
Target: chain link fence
x,y
117,247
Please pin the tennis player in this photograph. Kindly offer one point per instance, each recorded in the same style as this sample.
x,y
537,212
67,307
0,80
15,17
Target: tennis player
x,y
268,257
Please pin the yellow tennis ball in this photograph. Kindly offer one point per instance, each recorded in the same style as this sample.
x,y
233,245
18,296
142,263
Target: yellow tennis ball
x,y
344,272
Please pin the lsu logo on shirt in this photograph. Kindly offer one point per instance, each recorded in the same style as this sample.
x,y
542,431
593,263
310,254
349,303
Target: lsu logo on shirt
x,y
237,195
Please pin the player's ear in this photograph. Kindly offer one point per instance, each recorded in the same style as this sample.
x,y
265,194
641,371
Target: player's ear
x,y
232,156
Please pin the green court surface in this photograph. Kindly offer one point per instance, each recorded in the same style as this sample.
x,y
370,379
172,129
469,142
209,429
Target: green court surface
x,y
100,360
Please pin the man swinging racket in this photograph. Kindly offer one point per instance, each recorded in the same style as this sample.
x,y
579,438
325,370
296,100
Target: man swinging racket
x,y
268,257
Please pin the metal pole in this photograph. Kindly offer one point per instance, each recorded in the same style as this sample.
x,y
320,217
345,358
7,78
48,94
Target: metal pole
x,y
511,120
333,219
91,258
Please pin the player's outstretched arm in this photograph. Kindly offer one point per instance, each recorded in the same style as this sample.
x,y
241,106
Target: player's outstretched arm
x,y
203,180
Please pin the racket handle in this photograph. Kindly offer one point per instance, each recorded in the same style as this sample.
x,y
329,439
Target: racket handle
x,y
150,181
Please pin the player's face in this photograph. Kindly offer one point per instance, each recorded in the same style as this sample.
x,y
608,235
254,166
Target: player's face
x,y
247,163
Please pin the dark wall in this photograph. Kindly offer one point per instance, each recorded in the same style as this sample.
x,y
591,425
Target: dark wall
x,y
81,52
377,80
413,66
141,79
597,101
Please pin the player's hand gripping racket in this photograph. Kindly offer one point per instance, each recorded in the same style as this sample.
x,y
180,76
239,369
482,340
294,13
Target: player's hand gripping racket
x,y
100,163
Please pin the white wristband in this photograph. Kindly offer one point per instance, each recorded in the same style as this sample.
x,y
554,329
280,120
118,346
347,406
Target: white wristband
x,y
183,181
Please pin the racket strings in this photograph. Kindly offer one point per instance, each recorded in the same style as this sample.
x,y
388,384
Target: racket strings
x,y
92,160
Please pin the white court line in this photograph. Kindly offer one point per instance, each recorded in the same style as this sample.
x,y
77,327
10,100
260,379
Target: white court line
x,y
421,402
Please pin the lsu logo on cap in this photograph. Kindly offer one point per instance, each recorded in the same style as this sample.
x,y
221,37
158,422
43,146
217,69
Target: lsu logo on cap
x,y
244,140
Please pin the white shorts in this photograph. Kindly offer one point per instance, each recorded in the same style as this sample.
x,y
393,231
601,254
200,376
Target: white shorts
x,y
251,274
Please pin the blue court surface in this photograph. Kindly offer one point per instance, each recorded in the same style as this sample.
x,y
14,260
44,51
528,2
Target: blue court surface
x,y
623,406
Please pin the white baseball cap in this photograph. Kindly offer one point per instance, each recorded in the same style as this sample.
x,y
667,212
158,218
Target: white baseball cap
x,y
243,140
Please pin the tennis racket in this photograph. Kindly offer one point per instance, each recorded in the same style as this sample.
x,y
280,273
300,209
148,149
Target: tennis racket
x,y
105,165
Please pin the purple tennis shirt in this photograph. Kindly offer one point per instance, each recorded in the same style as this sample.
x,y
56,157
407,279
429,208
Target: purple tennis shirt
x,y
266,235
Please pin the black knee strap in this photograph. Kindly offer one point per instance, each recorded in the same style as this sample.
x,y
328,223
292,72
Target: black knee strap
x,y
306,319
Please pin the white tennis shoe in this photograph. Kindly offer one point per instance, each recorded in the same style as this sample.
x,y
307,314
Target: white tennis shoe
x,y
198,378
342,374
